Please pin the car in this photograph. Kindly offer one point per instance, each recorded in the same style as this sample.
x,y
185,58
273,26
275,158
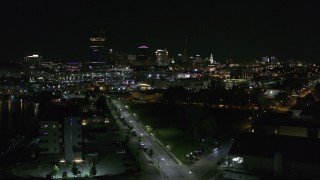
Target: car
x,y
118,144
215,149
198,153
145,149
202,150
133,133
191,156
141,144
78,174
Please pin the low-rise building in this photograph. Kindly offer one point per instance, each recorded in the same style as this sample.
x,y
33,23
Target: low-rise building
x,y
276,155
61,140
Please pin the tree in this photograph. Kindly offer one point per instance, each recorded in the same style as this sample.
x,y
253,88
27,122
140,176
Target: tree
x,y
64,175
150,152
54,170
101,103
49,176
139,139
74,169
93,169
44,99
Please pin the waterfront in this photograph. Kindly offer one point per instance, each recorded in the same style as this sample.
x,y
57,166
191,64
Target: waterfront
x,y
16,118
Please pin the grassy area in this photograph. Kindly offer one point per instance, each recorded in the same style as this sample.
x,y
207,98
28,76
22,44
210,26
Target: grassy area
x,y
173,127
179,142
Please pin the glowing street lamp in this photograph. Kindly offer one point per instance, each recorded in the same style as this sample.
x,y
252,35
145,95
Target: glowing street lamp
x,y
159,162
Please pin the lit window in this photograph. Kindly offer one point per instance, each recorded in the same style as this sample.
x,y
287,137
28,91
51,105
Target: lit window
x,y
44,126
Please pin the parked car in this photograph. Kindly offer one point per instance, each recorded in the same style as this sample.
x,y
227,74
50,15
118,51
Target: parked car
x,y
192,156
198,153
145,149
133,133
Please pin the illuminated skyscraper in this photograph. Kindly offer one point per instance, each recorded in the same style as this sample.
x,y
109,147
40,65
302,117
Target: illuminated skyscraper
x,y
143,53
97,45
162,57
143,57
30,65
211,60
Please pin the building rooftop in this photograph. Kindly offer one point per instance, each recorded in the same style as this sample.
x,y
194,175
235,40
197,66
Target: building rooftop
x,y
265,145
287,121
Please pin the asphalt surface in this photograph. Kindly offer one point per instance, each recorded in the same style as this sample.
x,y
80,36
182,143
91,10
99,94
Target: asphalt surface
x,y
207,167
166,164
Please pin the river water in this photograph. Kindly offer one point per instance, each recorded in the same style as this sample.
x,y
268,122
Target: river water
x,y
16,116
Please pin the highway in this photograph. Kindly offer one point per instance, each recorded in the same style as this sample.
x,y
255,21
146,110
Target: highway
x,y
168,166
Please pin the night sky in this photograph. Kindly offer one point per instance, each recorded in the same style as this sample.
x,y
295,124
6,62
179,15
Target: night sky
x,y
230,29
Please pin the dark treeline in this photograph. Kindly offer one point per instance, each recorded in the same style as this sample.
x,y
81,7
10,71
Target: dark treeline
x,y
200,122
238,95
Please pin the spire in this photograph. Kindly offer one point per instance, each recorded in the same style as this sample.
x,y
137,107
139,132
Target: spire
x,y
211,59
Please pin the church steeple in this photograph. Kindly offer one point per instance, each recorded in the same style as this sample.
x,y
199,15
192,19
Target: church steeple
x,y
211,59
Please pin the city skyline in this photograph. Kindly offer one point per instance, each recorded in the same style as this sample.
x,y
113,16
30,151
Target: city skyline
x,y
236,30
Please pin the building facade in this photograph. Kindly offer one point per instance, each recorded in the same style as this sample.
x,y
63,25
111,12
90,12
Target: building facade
x,y
72,138
97,47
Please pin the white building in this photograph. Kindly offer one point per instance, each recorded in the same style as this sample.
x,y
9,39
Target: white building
x,y
49,139
56,142
72,139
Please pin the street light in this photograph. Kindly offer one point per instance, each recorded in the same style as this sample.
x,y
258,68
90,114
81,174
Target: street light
x,y
65,164
159,162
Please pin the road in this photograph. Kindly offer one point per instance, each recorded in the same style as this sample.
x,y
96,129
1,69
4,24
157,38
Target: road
x,y
207,167
168,167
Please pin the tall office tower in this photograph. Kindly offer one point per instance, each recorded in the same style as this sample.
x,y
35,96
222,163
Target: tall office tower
x,y
142,55
265,59
97,46
179,59
185,55
30,65
162,57
111,59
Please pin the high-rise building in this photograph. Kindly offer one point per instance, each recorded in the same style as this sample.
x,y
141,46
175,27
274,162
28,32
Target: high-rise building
x,y
143,53
30,65
179,59
97,46
265,59
162,57
185,55
143,57
211,59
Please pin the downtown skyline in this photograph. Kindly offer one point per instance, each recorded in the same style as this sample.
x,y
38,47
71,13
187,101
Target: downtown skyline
x,y
236,30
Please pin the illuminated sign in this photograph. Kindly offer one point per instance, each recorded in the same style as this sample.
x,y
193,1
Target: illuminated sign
x,y
97,39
